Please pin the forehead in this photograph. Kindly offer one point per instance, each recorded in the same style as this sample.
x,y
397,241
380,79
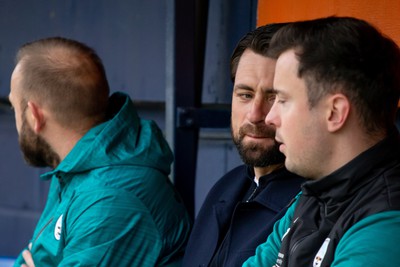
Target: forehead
x,y
252,64
288,62
286,72
15,83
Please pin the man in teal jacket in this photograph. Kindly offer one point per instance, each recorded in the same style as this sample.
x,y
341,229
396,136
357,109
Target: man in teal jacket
x,y
337,87
110,201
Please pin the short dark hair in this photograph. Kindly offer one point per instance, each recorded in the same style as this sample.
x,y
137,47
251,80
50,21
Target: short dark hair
x,y
347,55
66,75
257,40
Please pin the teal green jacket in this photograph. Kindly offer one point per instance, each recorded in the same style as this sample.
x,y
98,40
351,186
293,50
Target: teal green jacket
x,y
110,201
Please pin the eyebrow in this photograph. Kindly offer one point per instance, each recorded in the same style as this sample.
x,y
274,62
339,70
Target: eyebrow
x,y
246,87
276,91
280,93
243,87
270,91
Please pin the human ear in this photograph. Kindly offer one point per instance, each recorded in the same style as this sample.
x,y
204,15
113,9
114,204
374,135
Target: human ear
x,y
339,108
37,116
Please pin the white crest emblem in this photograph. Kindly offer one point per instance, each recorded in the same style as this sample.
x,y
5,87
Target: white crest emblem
x,y
57,229
321,253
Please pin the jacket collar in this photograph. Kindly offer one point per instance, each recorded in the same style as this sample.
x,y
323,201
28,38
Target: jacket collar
x,y
359,171
243,184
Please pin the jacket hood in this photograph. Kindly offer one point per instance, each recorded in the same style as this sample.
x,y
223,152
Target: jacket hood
x,y
124,139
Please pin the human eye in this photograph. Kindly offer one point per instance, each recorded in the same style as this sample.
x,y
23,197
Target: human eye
x,y
271,98
280,100
244,95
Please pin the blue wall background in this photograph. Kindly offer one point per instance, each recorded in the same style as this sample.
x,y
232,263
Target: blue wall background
x,y
130,37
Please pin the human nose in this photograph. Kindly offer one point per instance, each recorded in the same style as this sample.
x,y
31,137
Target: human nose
x,y
272,117
258,111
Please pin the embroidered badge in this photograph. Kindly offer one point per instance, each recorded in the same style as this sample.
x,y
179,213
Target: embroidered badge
x,y
57,229
321,253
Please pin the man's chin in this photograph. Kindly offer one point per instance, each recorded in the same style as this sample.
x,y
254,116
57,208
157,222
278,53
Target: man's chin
x,y
257,145
262,157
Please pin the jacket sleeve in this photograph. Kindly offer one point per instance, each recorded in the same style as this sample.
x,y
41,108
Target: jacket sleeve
x,y
267,253
371,242
19,260
109,229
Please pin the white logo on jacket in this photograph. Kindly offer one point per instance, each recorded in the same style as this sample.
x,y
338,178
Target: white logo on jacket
x,y
321,253
57,229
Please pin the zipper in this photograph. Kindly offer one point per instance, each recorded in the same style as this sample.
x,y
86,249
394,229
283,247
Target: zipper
x,y
252,195
296,244
44,227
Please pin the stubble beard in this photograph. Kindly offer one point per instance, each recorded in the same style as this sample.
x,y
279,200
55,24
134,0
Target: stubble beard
x,y
257,154
36,151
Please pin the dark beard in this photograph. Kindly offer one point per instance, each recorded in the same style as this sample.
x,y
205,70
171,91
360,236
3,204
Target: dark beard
x,y
255,155
37,152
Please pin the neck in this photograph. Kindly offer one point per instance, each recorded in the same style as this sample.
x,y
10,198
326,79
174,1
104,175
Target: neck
x,y
345,150
63,141
261,171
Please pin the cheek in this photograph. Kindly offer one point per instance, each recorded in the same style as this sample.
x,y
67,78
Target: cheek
x,y
295,132
236,116
311,138
17,123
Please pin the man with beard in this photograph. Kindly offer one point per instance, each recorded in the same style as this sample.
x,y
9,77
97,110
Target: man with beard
x,y
102,208
337,88
240,210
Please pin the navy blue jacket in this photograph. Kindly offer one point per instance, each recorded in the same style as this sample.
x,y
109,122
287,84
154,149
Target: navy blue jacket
x,y
249,223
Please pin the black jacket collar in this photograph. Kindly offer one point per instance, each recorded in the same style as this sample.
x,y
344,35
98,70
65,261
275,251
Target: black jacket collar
x,y
349,178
